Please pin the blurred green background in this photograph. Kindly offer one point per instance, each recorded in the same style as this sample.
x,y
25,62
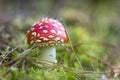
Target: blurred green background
x,y
93,27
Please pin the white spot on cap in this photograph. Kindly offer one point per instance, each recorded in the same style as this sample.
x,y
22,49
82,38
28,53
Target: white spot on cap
x,y
38,35
32,29
45,31
55,25
32,37
57,38
59,23
59,32
62,40
38,40
45,39
50,36
41,37
46,20
40,27
34,33
53,31
50,20
40,24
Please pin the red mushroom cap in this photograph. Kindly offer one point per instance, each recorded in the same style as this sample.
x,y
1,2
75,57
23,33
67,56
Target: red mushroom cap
x,y
47,31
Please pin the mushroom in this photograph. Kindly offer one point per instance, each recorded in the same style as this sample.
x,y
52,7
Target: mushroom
x,y
47,33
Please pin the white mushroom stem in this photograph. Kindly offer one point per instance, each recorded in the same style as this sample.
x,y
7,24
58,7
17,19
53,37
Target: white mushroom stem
x,y
48,54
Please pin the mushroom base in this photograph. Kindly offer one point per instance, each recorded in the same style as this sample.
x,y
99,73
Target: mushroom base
x,y
48,54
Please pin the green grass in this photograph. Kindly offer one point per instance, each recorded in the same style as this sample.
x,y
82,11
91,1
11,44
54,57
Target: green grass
x,y
73,63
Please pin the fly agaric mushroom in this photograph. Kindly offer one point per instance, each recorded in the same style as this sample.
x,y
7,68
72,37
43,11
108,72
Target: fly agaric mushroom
x,y
47,33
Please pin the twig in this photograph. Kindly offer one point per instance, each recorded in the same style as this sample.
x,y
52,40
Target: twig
x,y
21,56
11,51
58,65
114,70
73,51
18,59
